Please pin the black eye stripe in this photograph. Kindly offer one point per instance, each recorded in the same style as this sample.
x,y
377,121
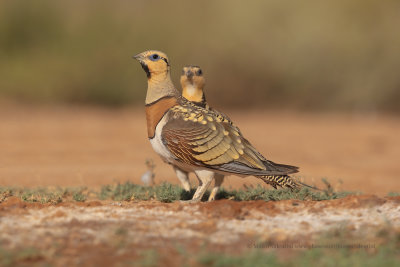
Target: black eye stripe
x,y
166,61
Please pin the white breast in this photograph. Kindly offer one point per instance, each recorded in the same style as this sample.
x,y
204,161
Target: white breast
x,y
190,90
157,143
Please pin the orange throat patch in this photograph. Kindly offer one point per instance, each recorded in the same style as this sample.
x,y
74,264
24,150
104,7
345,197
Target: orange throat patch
x,y
155,111
192,93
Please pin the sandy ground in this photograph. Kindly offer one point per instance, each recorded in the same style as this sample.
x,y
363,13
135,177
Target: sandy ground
x,y
54,146
91,147
108,233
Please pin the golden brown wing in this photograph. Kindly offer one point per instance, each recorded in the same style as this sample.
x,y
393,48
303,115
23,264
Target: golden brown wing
x,y
202,137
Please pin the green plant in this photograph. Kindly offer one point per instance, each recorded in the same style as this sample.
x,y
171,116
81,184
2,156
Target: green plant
x,y
79,197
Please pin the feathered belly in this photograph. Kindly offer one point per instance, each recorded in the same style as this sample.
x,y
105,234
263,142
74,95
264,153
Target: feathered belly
x,y
158,145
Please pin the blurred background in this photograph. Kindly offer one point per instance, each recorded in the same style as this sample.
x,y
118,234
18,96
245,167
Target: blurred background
x,y
309,55
311,83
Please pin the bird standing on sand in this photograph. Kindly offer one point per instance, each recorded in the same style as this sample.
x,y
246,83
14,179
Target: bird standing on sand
x,y
199,140
192,82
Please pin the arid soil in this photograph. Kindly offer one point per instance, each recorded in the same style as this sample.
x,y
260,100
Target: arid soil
x,y
92,147
103,233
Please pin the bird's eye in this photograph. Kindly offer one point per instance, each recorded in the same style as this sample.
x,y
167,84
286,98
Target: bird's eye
x,y
199,72
154,57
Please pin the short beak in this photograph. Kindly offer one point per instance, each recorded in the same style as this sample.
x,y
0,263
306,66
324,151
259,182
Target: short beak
x,y
138,57
189,74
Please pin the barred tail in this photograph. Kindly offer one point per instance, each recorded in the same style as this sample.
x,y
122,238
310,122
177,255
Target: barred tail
x,y
284,181
280,180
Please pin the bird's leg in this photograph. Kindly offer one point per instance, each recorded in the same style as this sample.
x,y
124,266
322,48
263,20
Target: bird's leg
x,y
218,179
205,177
197,189
183,177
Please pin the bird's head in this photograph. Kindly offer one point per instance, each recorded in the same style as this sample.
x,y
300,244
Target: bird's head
x,y
153,62
192,82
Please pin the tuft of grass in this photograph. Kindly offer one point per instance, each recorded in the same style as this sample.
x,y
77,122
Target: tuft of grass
x,y
15,257
393,194
126,192
167,192
79,197
164,192
42,195
5,192
260,193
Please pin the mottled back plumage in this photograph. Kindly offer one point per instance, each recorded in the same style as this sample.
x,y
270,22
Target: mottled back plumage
x,y
193,137
204,137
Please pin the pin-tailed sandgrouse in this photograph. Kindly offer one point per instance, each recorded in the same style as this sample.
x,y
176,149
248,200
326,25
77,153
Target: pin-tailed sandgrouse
x,y
199,139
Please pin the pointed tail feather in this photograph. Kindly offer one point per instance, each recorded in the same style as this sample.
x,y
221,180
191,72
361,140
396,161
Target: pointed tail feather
x,y
280,180
284,181
282,168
